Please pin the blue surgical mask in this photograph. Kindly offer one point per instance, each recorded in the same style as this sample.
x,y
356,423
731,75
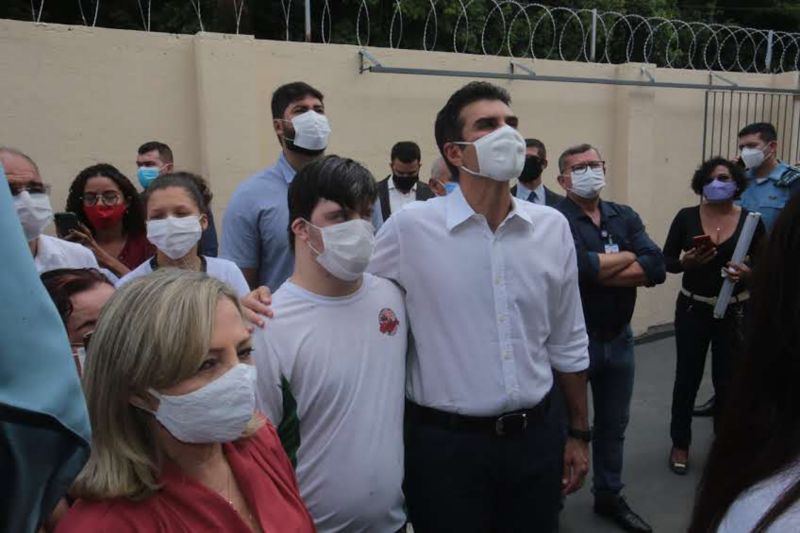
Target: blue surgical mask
x,y
450,186
719,191
146,175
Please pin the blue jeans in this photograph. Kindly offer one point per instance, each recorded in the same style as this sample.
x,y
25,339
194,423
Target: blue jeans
x,y
611,370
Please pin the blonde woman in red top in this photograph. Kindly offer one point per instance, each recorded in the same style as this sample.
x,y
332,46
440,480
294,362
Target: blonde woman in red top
x,y
177,445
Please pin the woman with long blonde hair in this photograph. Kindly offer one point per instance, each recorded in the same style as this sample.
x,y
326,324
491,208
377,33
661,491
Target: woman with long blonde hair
x,y
177,444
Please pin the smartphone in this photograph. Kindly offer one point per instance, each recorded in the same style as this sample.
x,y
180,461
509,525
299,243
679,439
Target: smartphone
x,y
66,222
702,242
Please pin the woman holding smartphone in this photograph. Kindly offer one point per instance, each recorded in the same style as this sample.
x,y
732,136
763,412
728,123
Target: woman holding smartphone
x,y
110,218
700,245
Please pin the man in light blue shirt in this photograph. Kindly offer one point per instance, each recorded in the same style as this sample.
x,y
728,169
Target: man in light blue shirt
x,y
256,221
770,182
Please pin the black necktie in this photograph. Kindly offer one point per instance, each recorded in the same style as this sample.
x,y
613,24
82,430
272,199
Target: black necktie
x,y
532,197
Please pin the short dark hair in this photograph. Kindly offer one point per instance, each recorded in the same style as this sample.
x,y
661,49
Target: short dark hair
x,y
164,151
449,125
185,180
536,143
703,175
132,220
765,130
291,92
334,178
574,150
63,283
406,151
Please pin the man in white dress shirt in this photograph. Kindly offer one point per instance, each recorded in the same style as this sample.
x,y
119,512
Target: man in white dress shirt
x,y
491,328
403,185
32,202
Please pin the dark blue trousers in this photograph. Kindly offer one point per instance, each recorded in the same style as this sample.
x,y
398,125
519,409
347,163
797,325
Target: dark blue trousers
x,y
464,481
611,371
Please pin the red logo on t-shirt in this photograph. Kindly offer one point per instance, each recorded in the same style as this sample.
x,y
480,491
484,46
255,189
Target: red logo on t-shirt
x,y
387,322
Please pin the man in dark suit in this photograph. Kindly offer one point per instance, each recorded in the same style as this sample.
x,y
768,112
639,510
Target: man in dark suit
x,y
402,186
530,185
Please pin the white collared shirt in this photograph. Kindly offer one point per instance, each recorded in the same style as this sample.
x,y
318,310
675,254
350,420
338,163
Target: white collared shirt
x,y
53,253
397,199
488,322
523,193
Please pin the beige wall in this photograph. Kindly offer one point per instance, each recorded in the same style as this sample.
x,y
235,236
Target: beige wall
x,y
73,96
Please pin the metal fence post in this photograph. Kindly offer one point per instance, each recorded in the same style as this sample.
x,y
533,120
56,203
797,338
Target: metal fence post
x,y
768,60
593,49
308,21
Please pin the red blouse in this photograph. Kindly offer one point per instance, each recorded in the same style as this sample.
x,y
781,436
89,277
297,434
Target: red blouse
x,y
264,475
136,251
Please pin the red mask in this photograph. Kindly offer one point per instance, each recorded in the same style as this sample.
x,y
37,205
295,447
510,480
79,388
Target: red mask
x,y
104,216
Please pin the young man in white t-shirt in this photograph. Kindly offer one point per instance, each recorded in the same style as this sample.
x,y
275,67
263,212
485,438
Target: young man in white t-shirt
x,y
331,363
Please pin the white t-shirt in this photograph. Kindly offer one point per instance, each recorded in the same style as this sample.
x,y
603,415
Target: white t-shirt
x,y
221,269
331,374
53,253
753,504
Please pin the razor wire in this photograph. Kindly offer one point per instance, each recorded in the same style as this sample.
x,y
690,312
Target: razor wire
x,y
522,30
536,31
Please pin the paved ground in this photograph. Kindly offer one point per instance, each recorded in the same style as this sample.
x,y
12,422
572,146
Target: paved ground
x,y
658,495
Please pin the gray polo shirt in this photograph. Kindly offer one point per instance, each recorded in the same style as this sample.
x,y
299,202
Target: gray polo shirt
x,y
256,222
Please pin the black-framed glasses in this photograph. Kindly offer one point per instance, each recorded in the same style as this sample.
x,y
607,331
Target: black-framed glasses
x,y
582,167
108,198
32,188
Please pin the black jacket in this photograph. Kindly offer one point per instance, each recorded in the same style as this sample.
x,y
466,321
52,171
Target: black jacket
x,y
423,193
551,199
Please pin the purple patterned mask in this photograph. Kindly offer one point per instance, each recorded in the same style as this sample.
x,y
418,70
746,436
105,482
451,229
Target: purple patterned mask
x,y
719,191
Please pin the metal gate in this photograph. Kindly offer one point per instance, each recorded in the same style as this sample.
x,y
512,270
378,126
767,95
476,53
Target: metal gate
x,y
728,111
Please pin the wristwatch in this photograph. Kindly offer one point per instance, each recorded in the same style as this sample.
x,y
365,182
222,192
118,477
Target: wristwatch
x,y
584,435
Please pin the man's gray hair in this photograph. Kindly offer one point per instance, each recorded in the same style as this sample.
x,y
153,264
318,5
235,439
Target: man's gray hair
x,y
18,153
439,170
574,150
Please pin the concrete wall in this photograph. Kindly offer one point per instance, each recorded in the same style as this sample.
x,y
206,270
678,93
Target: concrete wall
x,y
73,96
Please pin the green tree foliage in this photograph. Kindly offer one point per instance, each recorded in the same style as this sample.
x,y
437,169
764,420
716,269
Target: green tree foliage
x,y
480,28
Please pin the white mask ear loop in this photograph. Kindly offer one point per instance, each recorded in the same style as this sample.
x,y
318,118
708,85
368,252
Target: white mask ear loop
x,y
466,144
308,242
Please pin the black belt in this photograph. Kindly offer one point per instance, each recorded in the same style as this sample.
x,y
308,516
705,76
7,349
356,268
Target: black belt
x,y
513,423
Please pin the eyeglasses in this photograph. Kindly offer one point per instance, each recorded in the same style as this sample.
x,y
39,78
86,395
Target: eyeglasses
x,y
108,198
32,188
594,165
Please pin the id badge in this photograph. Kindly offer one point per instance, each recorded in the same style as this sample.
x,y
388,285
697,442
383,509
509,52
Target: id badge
x,y
612,248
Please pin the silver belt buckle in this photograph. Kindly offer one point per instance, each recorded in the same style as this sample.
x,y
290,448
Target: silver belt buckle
x,y
499,425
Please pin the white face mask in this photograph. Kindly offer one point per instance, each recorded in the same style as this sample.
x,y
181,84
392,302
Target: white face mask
x,y
216,412
753,157
311,131
501,154
34,212
174,236
589,183
79,353
348,247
